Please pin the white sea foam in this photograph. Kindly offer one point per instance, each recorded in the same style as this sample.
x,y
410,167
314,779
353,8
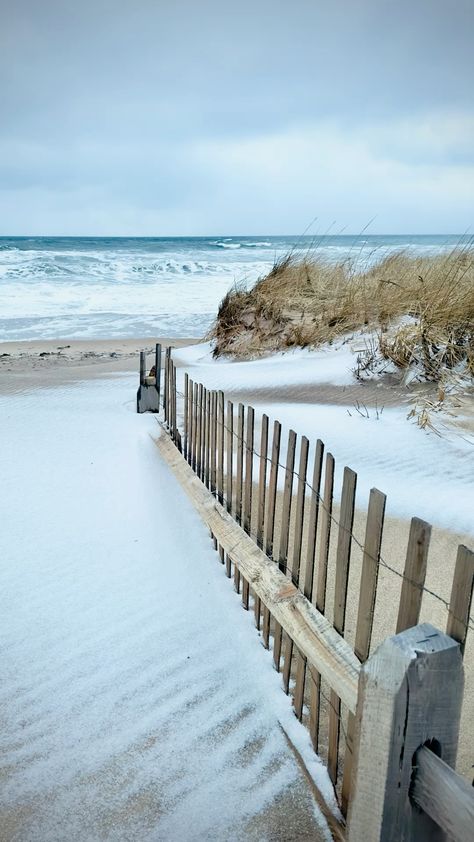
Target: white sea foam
x,y
50,284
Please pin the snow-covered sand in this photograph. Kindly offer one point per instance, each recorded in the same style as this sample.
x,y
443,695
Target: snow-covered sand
x,y
135,702
422,473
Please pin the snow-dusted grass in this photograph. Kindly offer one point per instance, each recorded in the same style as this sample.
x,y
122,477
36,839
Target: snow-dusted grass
x,y
136,701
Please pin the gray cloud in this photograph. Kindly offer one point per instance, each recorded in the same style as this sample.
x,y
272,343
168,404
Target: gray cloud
x,y
176,115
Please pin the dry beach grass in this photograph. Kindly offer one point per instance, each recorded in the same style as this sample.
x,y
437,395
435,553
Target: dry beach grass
x,y
415,309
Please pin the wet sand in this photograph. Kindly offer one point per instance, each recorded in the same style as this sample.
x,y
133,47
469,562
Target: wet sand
x,y
42,364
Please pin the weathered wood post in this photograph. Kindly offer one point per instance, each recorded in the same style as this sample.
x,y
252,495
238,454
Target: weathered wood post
x,y
410,695
148,399
158,370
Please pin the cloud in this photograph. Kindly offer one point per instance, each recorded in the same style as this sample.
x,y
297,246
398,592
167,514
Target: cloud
x,y
186,118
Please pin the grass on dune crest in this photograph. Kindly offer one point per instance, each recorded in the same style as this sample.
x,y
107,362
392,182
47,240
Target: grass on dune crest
x,y
419,309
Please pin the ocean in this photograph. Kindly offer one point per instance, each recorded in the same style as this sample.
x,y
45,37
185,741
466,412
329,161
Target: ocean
x,y
96,287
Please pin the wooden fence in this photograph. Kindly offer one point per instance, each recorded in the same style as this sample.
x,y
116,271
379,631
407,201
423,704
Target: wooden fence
x,y
275,544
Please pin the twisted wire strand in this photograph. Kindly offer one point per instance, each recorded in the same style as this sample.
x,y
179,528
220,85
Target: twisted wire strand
x,y
268,458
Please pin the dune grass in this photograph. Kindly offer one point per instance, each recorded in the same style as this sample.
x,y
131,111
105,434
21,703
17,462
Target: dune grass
x,y
420,309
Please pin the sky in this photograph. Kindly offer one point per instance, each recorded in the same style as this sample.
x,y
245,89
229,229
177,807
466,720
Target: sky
x,y
162,118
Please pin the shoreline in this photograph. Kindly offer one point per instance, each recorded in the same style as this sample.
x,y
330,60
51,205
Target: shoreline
x,y
45,363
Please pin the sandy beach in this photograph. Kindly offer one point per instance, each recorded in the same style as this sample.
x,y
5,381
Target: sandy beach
x,y
36,365
45,363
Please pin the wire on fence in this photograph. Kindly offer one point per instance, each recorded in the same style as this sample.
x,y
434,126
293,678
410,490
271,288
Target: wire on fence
x,y
380,560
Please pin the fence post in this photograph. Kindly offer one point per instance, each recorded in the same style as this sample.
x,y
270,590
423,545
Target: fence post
x,y
158,371
410,695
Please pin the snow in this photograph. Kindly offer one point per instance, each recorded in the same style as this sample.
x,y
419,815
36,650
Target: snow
x,y
133,683
423,474
330,364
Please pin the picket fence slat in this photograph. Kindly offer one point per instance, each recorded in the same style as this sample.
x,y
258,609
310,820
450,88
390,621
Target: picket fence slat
x,y
270,518
262,482
343,556
284,534
320,599
461,596
365,617
313,520
414,574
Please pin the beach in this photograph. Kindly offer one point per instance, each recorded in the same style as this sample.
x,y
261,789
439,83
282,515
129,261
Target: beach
x,y
289,388
135,695
46,363
114,614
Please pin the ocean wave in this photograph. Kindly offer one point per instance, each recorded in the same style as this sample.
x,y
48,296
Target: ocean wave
x,y
223,244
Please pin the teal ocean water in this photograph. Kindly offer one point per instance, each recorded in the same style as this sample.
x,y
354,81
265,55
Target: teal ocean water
x,y
91,287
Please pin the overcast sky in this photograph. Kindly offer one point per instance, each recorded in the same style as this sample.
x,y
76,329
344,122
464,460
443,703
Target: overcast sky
x,y
199,117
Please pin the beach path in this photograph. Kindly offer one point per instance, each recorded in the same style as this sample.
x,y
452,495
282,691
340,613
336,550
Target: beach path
x,y
136,701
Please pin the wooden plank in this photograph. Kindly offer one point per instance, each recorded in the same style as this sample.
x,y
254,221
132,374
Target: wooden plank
x,y
262,480
173,401
142,368
414,574
249,448
213,443
230,453
443,795
299,685
170,396
313,520
287,661
461,596
311,632
410,691
343,555
190,421
175,408
270,518
186,415
220,447
236,578
262,487
309,567
325,534
239,480
195,415
299,514
229,471
320,596
166,384
365,617
199,432
272,490
296,558
207,477
266,627
284,534
248,487
158,371
165,395
370,572
240,463
204,434
286,505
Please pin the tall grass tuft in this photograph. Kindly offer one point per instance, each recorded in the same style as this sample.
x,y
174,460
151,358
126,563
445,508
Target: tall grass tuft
x,y
421,308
